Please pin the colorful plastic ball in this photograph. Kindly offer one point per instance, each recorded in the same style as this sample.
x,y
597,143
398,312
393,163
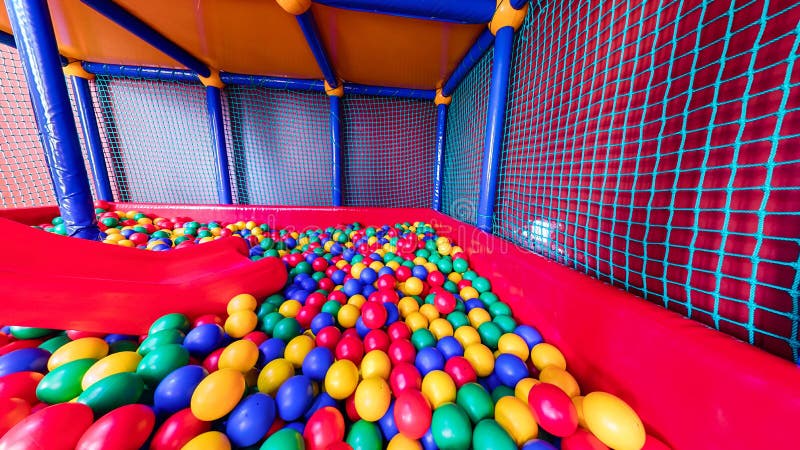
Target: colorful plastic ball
x,y
297,349
387,424
240,355
374,315
271,349
372,398
399,330
159,338
322,320
160,362
553,410
516,418
514,344
217,394
582,440
14,410
89,347
510,369
174,392
112,392
328,337
348,316
401,442
404,376
20,385
445,302
317,362
613,422
489,435
538,444
240,323
208,440
350,348
242,302
476,402
342,379
203,339
441,328
170,321
376,364
57,427
412,286
286,329
402,350
125,427
450,347
64,382
449,425
544,354
506,323
376,340
467,335
294,397
324,428
422,338
249,422
460,370
429,359
481,358
561,378
412,414
523,389
365,435
438,388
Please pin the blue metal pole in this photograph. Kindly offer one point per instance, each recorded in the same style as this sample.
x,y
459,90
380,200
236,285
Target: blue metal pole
x,y
309,28
91,134
438,173
217,123
147,73
380,91
336,149
36,42
462,11
495,121
272,82
7,39
469,60
145,32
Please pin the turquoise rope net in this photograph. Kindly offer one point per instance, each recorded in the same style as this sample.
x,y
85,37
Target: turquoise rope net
x,y
656,146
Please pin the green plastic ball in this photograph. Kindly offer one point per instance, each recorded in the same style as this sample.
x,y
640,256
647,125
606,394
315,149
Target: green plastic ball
x,y
448,427
475,401
365,435
489,435
287,329
422,338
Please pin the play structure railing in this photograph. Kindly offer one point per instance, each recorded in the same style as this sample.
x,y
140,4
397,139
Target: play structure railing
x,y
652,145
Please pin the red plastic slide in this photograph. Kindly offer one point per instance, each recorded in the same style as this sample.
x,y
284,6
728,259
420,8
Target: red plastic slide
x,y
52,281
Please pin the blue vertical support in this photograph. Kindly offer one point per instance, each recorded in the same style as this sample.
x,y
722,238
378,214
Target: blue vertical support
x,y
36,42
441,136
495,121
335,96
91,133
217,123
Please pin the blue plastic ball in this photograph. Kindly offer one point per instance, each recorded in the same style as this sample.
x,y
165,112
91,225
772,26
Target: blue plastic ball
x,y
361,328
202,340
309,284
392,313
538,444
450,347
272,349
429,359
294,397
427,441
387,423
297,426
367,290
24,360
352,287
368,276
174,392
531,335
320,402
317,362
338,276
385,271
510,369
420,272
320,321
251,420
473,303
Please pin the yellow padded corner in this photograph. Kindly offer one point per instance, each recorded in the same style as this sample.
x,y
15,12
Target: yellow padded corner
x,y
295,7
212,80
338,91
75,69
441,99
506,16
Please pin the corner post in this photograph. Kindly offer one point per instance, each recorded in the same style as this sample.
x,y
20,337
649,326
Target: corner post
x,y
335,96
442,103
216,122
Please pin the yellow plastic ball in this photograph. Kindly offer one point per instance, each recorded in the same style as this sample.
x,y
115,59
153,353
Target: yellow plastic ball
x,y
273,375
240,355
297,349
406,306
356,269
376,265
468,293
613,422
444,248
438,388
523,388
455,277
544,354
348,315
412,286
441,328
429,311
88,347
372,399
240,323
393,264
242,301
128,243
341,379
430,267
341,263
561,378
357,300
467,336
400,442
513,344
456,250
481,358
110,365
111,231
376,364
416,321
516,418
210,440
419,260
217,394
478,316
578,402
290,308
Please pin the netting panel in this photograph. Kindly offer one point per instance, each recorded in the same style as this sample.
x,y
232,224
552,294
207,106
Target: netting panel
x,y
654,145
279,146
466,130
389,151
159,138
24,175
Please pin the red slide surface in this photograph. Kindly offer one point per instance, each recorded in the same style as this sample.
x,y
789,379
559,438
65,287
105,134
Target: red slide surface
x,y
52,281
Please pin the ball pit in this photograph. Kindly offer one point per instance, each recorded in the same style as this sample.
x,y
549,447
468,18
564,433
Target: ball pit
x,y
383,337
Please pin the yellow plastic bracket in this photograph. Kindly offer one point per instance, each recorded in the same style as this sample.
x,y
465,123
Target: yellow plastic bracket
x,y
295,7
212,80
75,69
338,91
441,99
506,16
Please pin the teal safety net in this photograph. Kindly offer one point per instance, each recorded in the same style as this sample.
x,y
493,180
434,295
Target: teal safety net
x,y
279,146
656,146
389,151
466,131
159,140
24,175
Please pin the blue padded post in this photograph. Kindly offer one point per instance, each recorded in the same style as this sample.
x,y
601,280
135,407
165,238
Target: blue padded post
x,y
7,39
462,11
469,60
91,134
147,73
217,124
309,28
336,149
495,120
36,42
272,82
438,172
379,91
145,32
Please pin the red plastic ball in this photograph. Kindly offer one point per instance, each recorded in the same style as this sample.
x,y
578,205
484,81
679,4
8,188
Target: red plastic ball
x,y
402,350
436,278
350,408
328,337
460,370
352,332
256,337
463,283
326,284
376,340
385,282
306,315
445,302
330,270
582,440
387,296
404,376
553,409
399,330
316,299
350,348
277,425
20,385
403,273
319,264
373,315
338,296
340,446
324,427
211,363
76,334
412,414
207,319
